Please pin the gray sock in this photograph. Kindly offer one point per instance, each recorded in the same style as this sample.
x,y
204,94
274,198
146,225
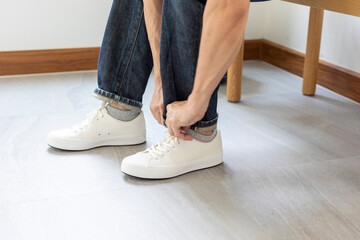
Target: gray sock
x,y
201,137
123,115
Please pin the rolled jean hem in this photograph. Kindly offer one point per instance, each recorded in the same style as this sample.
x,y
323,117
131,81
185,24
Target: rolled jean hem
x,y
120,100
205,126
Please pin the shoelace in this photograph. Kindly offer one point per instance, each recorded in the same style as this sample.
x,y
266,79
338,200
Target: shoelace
x,y
159,149
95,114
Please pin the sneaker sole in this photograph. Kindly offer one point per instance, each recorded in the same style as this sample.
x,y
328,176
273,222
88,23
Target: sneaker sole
x,y
79,145
172,171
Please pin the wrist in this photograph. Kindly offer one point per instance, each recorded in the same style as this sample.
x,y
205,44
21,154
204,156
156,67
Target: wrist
x,y
157,80
199,99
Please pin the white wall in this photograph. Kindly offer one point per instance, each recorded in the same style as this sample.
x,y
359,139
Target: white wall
x,y
52,24
49,24
287,23
256,22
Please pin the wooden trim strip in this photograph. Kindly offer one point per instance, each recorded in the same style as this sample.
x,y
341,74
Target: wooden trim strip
x,y
338,79
252,49
46,61
73,59
283,57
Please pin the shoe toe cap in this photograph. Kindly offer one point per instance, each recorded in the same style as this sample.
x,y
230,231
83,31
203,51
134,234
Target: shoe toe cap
x,y
135,162
63,139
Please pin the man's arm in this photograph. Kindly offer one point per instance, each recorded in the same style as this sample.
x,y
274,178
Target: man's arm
x,y
152,14
222,35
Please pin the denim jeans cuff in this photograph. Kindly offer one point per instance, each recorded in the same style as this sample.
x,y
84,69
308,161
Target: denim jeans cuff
x,y
120,100
205,126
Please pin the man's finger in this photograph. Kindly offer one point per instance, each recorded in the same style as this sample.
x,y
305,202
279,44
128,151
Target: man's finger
x,y
169,127
184,129
177,132
171,131
158,117
161,117
187,137
168,107
159,120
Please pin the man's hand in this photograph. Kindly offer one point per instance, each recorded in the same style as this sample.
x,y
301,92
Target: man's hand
x,y
181,115
157,104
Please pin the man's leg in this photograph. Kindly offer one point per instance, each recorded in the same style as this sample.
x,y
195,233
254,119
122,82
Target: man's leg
x,y
124,67
221,38
180,42
125,60
179,47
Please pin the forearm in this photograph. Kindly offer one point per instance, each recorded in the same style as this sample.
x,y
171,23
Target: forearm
x,y
152,13
222,35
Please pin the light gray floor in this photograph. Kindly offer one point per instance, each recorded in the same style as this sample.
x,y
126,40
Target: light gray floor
x,y
291,168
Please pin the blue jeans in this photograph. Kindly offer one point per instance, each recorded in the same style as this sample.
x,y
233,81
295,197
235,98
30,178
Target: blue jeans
x,y
125,60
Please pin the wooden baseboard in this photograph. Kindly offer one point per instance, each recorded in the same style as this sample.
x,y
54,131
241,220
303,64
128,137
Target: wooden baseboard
x,y
282,57
46,61
252,49
335,78
338,79
72,59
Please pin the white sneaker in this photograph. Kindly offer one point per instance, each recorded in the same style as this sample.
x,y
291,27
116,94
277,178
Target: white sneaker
x,y
172,157
99,129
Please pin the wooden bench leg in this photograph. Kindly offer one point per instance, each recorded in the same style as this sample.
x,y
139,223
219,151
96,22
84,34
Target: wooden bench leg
x,y
312,51
234,75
